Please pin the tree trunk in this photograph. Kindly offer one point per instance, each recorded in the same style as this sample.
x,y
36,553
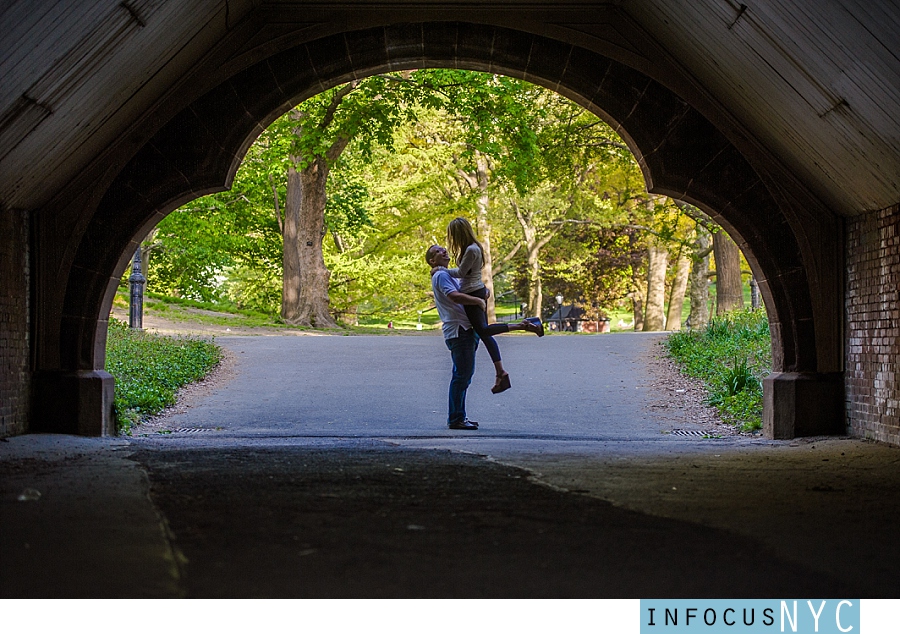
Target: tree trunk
x,y
638,287
729,293
637,309
351,316
700,281
676,297
533,246
305,285
145,260
535,292
656,288
484,232
290,258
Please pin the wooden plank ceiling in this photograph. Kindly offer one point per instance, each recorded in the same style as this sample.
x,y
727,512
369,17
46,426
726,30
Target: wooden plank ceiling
x,y
75,75
817,82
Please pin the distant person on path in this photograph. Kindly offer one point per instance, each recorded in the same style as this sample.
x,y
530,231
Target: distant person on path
x,y
469,258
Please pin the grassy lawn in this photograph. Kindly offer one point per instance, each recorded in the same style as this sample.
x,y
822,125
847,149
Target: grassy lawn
x,y
428,318
177,309
222,314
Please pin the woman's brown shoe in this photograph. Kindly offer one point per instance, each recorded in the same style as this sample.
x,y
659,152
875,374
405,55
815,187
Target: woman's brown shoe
x,y
502,384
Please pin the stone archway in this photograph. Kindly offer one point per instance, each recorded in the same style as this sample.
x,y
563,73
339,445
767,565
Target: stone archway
x,y
793,247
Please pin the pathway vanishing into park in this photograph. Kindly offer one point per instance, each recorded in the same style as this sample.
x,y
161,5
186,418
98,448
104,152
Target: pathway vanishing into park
x,y
322,466
564,387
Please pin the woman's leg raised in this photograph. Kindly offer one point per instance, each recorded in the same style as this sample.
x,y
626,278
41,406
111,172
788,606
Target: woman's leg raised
x,y
486,333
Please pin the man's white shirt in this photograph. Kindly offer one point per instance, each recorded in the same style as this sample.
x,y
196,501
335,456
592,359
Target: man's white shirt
x,y
453,316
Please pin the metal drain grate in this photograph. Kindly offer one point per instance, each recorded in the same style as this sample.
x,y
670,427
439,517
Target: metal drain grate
x,y
191,430
693,433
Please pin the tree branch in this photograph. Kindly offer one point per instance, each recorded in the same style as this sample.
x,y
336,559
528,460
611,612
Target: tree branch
x,y
620,146
336,100
573,221
702,254
471,179
519,215
340,144
501,266
447,193
697,216
543,241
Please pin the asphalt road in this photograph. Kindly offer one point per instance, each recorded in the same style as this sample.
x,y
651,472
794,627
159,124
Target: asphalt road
x,y
565,387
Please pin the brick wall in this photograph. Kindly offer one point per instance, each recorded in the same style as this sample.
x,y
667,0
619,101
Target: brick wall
x,y
14,316
873,325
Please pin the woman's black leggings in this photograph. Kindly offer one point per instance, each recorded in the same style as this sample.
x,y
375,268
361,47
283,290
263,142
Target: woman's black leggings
x,y
485,332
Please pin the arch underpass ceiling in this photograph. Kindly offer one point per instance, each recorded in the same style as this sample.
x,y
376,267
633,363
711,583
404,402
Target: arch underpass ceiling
x,y
814,83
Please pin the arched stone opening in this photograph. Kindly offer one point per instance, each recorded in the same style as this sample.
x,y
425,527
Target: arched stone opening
x,y
682,152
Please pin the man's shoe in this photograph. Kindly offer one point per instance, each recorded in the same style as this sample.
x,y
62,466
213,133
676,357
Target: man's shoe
x,y
464,424
534,324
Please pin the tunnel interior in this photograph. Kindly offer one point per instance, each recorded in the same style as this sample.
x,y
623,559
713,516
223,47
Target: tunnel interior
x,y
682,153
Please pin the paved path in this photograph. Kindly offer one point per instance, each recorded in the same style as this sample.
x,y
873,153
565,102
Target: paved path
x,y
564,387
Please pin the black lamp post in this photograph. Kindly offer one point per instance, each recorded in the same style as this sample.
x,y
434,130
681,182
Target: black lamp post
x,y
559,301
754,293
137,281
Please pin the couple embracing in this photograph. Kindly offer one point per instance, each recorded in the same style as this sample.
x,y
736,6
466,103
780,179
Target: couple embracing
x,y
460,295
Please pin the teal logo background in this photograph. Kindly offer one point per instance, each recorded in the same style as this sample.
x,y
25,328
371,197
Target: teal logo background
x,y
750,616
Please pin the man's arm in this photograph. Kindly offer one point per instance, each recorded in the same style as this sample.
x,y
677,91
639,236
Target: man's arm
x,y
466,300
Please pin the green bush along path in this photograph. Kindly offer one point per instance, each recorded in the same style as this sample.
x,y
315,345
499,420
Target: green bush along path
x,y
731,356
149,369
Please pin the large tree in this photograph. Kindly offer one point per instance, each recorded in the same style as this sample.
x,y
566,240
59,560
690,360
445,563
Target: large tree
x,y
657,264
367,113
729,290
558,174
383,166
679,288
363,111
701,248
496,146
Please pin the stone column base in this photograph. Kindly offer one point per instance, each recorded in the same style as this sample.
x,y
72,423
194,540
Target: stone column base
x,y
803,404
78,403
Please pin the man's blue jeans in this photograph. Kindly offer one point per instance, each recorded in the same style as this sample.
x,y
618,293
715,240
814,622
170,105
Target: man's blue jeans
x,y
462,351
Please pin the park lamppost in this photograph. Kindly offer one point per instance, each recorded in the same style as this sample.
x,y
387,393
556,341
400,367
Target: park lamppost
x,y
559,301
137,281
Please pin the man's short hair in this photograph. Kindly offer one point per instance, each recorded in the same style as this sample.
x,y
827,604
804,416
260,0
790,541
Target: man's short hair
x,y
429,253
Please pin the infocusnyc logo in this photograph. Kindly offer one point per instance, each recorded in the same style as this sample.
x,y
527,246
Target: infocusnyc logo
x,y
740,616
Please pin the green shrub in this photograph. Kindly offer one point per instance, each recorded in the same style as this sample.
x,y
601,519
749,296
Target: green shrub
x,y
730,356
150,368
738,377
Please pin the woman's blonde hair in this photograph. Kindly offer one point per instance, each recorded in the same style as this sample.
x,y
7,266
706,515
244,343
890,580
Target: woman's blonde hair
x,y
459,236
